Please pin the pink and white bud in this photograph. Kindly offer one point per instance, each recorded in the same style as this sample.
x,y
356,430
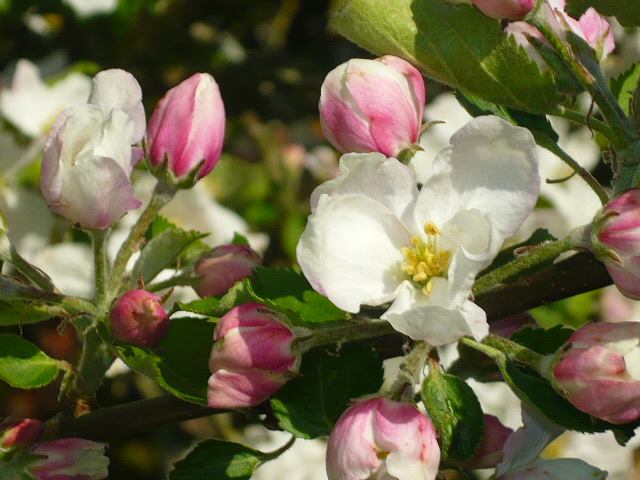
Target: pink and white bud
x,y
372,105
598,370
616,241
88,155
505,8
19,434
138,318
70,458
251,357
222,267
490,451
186,131
383,439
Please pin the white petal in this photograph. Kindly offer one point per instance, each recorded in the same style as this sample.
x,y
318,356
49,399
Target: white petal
x,y
477,241
556,469
118,89
350,251
373,175
491,166
418,316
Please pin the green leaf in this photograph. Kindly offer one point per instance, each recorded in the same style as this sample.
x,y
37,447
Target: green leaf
x,y
202,306
455,412
239,239
24,312
219,460
309,406
23,365
626,11
454,44
284,290
181,363
624,86
541,340
161,251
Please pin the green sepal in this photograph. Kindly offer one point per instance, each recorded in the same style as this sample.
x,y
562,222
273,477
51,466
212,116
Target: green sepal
x,y
455,412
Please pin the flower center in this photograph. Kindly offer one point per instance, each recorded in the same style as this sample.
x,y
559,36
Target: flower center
x,y
426,260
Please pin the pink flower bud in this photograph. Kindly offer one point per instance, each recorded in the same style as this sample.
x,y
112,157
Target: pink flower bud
x,y
505,8
617,232
372,105
21,433
222,267
186,131
490,451
138,318
251,357
383,439
598,371
70,458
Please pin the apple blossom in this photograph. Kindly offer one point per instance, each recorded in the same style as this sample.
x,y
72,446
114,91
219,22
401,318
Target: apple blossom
x,y
598,370
186,130
372,105
374,238
490,450
251,357
31,105
70,458
591,27
616,230
89,157
382,439
521,455
505,8
138,318
19,433
222,267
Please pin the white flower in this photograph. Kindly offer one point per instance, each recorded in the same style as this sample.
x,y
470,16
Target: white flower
x,y
31,105
89,157
374,238
521,455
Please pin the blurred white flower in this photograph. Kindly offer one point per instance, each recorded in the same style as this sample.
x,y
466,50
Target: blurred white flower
x,y
88,8
31,105
305,460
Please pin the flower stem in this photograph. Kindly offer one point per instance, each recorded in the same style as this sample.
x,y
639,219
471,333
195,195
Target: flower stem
x,y
580,59
534,257
181,279
500,348
162,194
579,169
411,370
101,267
355,330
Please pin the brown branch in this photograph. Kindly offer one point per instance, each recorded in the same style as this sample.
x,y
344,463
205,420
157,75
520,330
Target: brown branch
x,y
577,274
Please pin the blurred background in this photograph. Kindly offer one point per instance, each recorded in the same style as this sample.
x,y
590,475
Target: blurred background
x,y
269,58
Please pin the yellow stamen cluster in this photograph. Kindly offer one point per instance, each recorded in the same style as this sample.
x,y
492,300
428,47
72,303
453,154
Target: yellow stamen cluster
x,y
426,260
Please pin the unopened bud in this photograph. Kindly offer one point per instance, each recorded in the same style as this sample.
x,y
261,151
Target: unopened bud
x,y
222,267
372,105
598,370
186,131
251,357
138,318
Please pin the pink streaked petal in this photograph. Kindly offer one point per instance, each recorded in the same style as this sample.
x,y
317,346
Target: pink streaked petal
x,y
626,276
597,29
373,90
414,74
227,389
